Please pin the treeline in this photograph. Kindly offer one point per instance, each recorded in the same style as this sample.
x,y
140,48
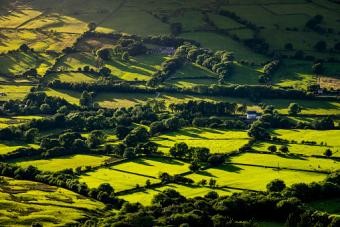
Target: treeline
x,y
168,67
168,41
268,70
219,62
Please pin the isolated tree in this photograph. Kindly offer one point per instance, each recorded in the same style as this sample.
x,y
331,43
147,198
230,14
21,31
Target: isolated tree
x,y
276,185
104,53
104,71
92,26
294,109
318,68
284,149
328,153
86,99
212,183
24,48
272,148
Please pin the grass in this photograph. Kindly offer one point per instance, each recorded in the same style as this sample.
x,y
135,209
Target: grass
x,y
218,141
72,77
15,18
292,161
120,181
299,148
9,146
254,178
224,22
153,166
70,96
66,162
219,42
145,197
326,136
190,20
14,92
17,120
25,202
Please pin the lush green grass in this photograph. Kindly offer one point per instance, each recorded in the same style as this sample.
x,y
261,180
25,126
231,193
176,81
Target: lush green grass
x,y
9,146
331,137
255,178
66,162
190,20
153,166
25,202
70,96
218,141
219,42
118,180
72,77
292,161
17,120
224,22
145,197
299,148
16,18
14,91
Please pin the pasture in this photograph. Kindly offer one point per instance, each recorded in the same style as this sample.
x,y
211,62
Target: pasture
x,y
66,162
9,146
189,191
287,162
119,180
254,178
25,202
218,141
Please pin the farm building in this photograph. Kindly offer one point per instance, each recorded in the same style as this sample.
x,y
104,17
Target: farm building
x,y
252,115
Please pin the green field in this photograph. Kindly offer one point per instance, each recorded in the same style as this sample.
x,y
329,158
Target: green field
x,y
218,141
145,197
120,181
9,146
331,206
25,202
292,161
254,178
153,166
299,148
60,163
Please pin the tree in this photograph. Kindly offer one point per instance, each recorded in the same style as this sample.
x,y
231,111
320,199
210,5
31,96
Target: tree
x,y
92,26
194,166
284,149
125,56
31,134
104,53
276,185
179,150
86,99
318,68
320,46
45,108
272,148
105,187
104,71
212,183
328,153
24,48
294,109
95,138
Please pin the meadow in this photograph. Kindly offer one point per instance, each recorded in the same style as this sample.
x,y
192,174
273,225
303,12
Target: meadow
x,y
61,163
287,162
24,202
253,178
119,180
218,141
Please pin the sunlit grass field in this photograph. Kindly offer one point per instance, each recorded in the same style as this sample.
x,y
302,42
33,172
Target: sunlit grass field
x,y
218,141
190,191
254,178
293,161
66,162
31,202
118,180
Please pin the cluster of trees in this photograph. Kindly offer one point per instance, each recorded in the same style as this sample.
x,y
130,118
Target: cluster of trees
x,y
204,108
219,62
168,67
35,103
314,24
268,70
168,41
168,124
